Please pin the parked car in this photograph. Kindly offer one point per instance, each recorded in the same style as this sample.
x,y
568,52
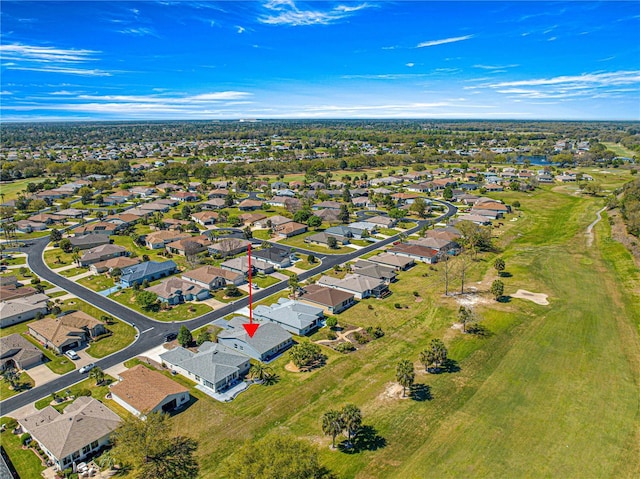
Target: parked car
x,y
72,354
170,337
87,368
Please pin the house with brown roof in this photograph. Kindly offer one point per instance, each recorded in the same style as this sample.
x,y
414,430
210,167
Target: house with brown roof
x,y
189,246
16,290
159,239
66,332
101,253
290,229
80,431
120,262
251,219
250,205
101,227
213,204
218,193
205,218
273,221
46,218
212,277
18,353
333,301
183,196
141,391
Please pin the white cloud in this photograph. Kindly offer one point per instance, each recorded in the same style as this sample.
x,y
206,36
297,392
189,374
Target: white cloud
x,y
433,43
41,54
600,79
49,59
240,29
286,12
139,32
496,67
410,65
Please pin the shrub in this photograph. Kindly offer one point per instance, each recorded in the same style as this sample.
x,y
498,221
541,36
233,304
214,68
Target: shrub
x,y
378,332
331,335
370,306
83,392
416,294
360,338
11,424
332,322
35,281
25,439
345,347
397,306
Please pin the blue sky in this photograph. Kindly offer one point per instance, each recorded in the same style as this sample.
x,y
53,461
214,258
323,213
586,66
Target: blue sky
x,y
116,60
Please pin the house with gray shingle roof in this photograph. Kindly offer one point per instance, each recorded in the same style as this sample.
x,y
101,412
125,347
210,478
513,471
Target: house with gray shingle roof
x,y
374,270
22,309
214,366
17,352
269,340
83,428
149,270
360,286
294,316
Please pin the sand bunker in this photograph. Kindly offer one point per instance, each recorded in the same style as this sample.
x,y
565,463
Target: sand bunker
x,y
392,391
537,298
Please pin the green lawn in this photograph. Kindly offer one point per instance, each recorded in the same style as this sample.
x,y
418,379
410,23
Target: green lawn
x,y
619,149
264,281
97,282
14,260
25,461
12,189
97,392
25,382
388,231
181,312
304,264
16,328
549,391
68,273
220,295
56,258
261,234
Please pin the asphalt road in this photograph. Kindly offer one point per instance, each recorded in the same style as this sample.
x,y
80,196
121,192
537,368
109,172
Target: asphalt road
x,y
151,333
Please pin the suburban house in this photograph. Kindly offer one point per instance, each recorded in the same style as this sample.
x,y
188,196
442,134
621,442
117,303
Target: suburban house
x,y
143,191
329,205
120,262
213,204
212,277
149,270
66,332
477,219
278,257
176,291
360,286
101,253
99,228
89,241
399,263
18,353
416,252
72,213
15,290
26,226
17,310
183,196
273,221
322,239
189,246
361,202
46,218
383,221
359,227
122,220
81,430
278,200
118,197
490,214
241,265
159,239
249,205
328,215
214,366
492,205
294,316
141,391
219,193
374,270
251,219
229,247
205,218
333,301
269,340
439,244
290,229
451,233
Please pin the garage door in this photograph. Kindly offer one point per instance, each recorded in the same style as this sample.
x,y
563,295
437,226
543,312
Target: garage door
x,y
170,405
70,346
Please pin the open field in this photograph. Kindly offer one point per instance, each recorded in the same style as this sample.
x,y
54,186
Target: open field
x,y
524,398
12,189
619,149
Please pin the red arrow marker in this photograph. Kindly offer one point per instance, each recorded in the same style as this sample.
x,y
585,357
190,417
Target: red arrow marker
x,y
252,327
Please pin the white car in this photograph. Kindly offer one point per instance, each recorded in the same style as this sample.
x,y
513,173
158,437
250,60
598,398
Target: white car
x,y
87,368
72,354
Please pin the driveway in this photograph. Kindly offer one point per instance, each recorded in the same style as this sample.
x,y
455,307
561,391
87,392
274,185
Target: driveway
x,y
42,374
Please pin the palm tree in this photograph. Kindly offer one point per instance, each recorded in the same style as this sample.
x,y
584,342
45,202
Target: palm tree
x,y
436,354
405,375
332,425
12,377
260,372
97,374
352,418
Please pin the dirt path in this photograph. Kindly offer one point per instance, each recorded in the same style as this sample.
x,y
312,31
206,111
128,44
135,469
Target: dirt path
x,y
589,232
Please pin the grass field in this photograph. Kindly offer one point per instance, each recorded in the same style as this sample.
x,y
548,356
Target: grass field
x,y
24,382
549,391
619,149
12,190
97,282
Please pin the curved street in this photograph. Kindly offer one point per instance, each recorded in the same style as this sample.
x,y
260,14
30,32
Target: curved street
x,y
151,332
